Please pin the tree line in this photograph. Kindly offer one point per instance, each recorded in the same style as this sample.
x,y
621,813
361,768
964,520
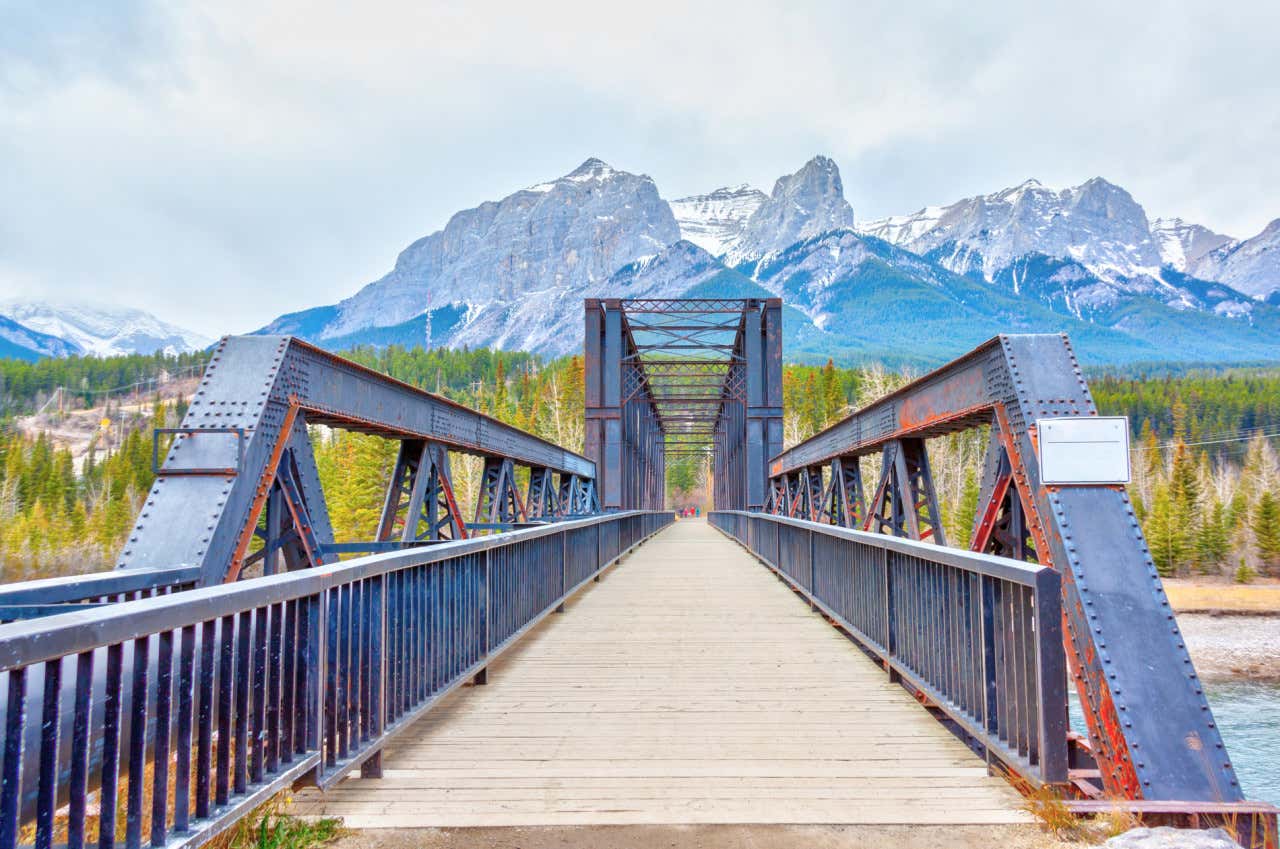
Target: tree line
x,y
1205,467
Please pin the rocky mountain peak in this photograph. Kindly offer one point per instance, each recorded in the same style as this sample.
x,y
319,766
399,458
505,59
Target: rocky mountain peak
x,y
1251,266
802,205
1182,244
715,221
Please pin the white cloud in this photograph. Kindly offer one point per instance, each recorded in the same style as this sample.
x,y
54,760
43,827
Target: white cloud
x,y
224,162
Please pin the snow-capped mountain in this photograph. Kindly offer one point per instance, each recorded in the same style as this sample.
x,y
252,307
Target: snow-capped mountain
x,y
559,236
715,222
1097,224
100,329
1251,266
802,205
918,288
1182,245
23,343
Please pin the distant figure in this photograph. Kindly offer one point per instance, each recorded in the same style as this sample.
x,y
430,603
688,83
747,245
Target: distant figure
x,y
697,511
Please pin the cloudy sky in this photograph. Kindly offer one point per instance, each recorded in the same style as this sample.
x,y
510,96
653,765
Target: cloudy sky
x,y
220,163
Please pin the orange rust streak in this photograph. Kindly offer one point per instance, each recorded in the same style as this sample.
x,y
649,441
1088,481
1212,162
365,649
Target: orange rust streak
x,y
264,489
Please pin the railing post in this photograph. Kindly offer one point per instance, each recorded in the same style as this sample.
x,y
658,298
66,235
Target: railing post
x,y
890,635
372,766
599,554
486,616
986,614
564,566
1052,677
315,662
812,570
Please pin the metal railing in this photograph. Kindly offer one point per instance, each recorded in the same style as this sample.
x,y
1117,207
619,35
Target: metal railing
x,y
49,596
979,636
193,708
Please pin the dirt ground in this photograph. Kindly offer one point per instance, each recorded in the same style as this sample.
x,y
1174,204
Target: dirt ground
x,y
708,837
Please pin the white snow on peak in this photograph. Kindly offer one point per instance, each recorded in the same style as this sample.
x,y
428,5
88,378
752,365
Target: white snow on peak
x,y
103,330
714,221
1182,244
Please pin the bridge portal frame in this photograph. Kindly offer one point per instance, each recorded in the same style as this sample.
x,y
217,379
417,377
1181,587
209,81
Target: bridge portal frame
x,y
669,377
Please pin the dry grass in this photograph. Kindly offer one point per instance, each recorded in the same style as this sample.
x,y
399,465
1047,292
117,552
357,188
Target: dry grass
x,y
1188,596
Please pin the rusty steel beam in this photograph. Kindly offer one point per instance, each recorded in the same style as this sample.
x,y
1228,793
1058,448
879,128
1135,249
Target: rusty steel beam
x,y
1150,725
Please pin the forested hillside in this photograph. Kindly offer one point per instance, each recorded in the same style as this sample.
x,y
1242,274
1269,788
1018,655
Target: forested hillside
x,y
1205,467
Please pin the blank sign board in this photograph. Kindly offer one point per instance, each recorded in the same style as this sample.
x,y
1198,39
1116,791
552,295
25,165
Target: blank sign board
x,y
1084,450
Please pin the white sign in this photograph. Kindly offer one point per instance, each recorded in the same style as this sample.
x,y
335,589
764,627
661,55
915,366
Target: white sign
x,y
1084,450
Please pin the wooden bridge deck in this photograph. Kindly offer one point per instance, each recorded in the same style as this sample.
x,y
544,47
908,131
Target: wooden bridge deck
x,y
689,686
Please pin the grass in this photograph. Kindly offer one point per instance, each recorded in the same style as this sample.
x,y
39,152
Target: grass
x,y
272,827
1192,597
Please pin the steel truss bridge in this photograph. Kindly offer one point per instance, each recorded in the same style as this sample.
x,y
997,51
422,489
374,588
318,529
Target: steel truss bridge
x,y
239,649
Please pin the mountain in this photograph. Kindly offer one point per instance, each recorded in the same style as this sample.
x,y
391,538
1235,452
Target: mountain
x,y
1084,250
560,236
912,289
715,222
23,343
1096,224
100,329
801,206
1251,266
1182,245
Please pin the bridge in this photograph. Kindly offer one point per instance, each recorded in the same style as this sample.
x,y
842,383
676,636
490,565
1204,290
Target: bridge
x,y
563,651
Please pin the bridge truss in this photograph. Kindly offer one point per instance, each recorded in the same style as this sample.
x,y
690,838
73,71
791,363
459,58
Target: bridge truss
x,y
1151,731
669,378
241,466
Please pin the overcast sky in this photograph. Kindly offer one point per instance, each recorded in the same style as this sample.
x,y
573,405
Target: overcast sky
x,y
222,163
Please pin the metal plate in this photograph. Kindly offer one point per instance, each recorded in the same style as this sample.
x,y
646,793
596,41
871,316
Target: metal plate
x,y
1084,450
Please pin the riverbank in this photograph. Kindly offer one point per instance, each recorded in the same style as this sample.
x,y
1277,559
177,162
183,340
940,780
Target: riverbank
x,y
1233,647
1202,595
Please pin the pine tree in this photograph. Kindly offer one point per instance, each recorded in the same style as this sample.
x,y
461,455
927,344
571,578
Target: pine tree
x,y
1166,534
832,397
1213,539
1266,530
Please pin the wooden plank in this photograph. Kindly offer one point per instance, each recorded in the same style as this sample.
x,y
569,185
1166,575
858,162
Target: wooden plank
x,y
688,687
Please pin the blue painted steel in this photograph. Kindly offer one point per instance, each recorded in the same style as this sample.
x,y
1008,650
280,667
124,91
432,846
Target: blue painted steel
x,y
256,685
31,599
978,636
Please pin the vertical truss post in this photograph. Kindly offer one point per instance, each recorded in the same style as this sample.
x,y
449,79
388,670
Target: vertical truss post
x,y
1001,526
845,503
542,501
297,517
762,350
815,495
420,503
905,503
499,499
603,349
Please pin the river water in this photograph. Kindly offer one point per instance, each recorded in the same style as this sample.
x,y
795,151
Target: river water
x,y
1248,715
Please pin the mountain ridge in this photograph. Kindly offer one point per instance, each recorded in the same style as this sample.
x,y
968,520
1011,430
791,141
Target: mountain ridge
x,y
1084,259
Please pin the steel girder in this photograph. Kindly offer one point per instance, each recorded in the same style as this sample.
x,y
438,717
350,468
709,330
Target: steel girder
x,y
1150,726
683,377
242,452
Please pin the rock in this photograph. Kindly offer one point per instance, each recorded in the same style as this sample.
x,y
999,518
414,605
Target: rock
x,y
1165,837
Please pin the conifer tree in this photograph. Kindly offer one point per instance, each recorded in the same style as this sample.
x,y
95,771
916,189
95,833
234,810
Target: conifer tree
x,y
1266,530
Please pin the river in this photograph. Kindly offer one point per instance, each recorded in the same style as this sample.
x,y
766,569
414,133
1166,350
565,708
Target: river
x,y
1238,658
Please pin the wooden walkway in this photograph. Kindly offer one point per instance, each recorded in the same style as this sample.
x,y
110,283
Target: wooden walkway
x,y
689,686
